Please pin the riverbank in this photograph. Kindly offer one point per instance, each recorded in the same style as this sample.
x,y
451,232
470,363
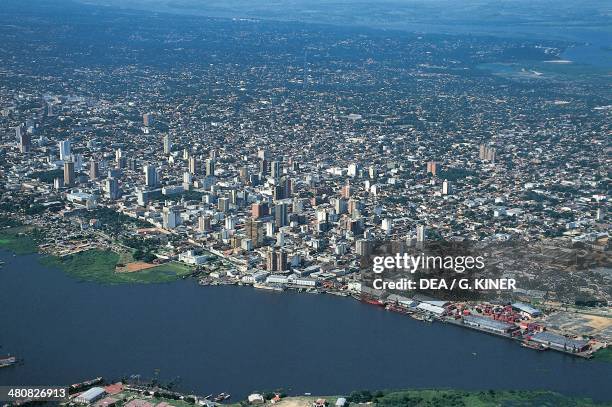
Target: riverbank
x,y
443,398
387,398
99,266
20,239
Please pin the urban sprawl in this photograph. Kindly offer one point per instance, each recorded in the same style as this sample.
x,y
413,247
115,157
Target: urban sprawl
x,y
283,169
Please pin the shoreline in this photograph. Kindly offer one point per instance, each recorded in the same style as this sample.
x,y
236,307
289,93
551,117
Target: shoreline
x,y
100,267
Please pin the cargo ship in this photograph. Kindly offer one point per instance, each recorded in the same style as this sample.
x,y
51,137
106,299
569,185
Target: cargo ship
x,y
83,385
398,308
372,301
8,361
533,345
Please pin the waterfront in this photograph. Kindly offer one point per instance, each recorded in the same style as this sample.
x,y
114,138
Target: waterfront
x,y
238,340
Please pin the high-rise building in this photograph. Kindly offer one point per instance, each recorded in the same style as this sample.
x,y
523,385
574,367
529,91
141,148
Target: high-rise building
x,y
298,206
259,209
193,165
363,247
254,231
340,205
170,217
150,173
271,260
58,183
112,188
69,176
487,153
421,232
347,190
432,167
275,169
446,188
281,215
94,169
244,174
25,142
281,260
167,144
132,164
210,167
147,119
19,130
204,223
263,154
276,260
223,204
64,150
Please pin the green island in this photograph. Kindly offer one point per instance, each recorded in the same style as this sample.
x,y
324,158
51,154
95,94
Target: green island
x,y
436,398
99,266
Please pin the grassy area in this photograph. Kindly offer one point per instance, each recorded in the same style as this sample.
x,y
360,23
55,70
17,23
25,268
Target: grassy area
x,y
478,399
99,266
19,240
603,355
448,398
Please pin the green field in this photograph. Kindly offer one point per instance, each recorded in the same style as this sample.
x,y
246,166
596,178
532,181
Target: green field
x,y
478,399
19,240
99,266
447,398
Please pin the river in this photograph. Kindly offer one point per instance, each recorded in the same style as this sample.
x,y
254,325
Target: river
x,y
238,340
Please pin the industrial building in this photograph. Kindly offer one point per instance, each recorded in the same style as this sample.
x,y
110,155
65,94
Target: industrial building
x,y
526,309
560,342
488,324
91,395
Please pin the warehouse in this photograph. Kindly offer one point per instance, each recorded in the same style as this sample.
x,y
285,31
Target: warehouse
x,y
434,309
277,279
90,395
488,324
560,342
526,309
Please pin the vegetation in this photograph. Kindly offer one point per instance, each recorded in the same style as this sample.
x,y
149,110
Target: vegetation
x,y
99,266
603,355
20,239
444,398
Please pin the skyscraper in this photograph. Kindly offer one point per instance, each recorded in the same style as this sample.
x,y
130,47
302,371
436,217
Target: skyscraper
x,y
112,188
69,176
64,150
210,167
204,223
94,170
150,175
432,167
281,215
147,119
193,165
254,231
421,232
25,142
446,188
170,217
167,144
275,169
